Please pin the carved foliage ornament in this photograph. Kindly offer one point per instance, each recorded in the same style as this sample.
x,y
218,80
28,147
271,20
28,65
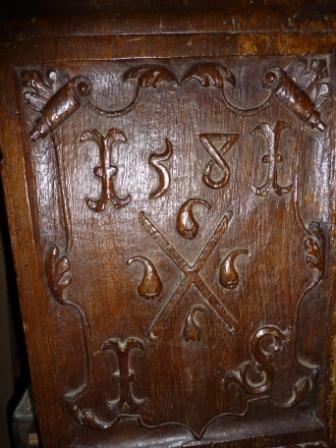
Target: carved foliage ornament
x,y
56,101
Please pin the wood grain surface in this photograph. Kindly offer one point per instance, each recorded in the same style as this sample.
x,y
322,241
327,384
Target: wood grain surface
x,y
170,197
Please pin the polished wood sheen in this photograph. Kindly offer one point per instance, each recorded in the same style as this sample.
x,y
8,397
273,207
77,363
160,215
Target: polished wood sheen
x,y
169,185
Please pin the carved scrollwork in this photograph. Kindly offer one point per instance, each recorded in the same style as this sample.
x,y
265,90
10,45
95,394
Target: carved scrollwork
x,y
302,89
300,391
256,376
59,278
212,74
186,225
145,76
56,102
151,284
156,160
58,273
150,75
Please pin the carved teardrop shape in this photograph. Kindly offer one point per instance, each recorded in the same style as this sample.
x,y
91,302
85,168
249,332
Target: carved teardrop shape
x,y
192,330
228,275
186,224
151,284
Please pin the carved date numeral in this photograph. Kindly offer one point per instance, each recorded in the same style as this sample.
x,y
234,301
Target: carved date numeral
x,y
156,160
217,145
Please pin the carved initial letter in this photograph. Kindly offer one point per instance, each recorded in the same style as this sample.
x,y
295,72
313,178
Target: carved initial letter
x,y
105,171
273,158
126,402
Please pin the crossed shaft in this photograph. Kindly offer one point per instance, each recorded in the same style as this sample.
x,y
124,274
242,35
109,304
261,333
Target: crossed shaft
x,y
192,276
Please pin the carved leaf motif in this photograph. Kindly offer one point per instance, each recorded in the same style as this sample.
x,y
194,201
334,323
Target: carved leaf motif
x,y
88,418
301,390
210,74
58,273
40,91
149,76
192,331
315,247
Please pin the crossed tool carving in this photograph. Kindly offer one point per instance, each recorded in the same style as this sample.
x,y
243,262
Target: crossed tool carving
x,y
191,276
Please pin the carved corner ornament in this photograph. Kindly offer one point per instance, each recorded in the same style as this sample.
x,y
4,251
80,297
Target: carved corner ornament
x,y
301,88
256,376
292,97
54,101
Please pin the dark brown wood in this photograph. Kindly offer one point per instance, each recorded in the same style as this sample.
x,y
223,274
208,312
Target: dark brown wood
x,y
169,186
